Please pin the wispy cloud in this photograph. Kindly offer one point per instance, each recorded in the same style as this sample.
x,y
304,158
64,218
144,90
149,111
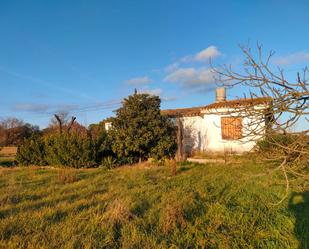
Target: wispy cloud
x,y
191,77
156,91
31,107
172,67
203,55
294,58
43,108
139,81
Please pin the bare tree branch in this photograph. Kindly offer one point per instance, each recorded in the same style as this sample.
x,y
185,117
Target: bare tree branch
x,y
288,106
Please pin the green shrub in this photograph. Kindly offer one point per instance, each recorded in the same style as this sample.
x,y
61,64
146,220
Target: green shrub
x,y
69,149
109,162
287,146
32,151
139,131
102,146
166,146
274,141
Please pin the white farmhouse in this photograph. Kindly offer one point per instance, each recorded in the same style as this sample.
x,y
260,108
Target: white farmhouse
x,y
226,125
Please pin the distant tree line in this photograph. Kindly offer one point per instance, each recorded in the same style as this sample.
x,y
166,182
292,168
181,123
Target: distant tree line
x,y
138,132
13,131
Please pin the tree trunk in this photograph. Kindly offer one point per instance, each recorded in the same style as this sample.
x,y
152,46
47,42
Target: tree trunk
x,y
180,152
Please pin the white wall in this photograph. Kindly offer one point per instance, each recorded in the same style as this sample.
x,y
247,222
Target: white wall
x,y
108,125
193,133
204,133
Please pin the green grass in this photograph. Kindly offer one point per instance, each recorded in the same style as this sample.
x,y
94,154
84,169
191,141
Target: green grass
x,y
203,206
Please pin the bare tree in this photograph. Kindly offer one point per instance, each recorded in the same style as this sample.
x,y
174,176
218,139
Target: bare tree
x,y
11,123
62,121
71,123
286,104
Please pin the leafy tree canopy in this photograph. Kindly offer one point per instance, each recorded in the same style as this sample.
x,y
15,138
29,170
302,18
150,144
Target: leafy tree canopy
x,y
139,131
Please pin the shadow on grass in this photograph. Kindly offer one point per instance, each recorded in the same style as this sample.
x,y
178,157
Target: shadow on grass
x,y
36,206
299,205
56,217
6,162
185,166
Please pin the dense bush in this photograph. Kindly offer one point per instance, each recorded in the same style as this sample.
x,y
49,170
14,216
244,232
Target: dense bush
x,y
139,131
102,142
273,141
69,149
66,149
32,151
109,162
277,145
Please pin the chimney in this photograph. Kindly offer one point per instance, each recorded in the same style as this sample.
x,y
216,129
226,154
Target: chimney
x,y
220,94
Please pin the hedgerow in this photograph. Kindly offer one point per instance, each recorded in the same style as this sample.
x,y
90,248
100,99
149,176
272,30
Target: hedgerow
x,y
32,151
138,132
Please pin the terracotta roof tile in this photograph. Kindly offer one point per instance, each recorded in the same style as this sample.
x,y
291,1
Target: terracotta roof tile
x,y
196,111
238,102
182,112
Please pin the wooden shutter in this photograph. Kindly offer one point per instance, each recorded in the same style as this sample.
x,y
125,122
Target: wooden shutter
x,y
231,128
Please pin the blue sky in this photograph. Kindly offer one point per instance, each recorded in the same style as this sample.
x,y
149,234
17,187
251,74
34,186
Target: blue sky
x,y
85,56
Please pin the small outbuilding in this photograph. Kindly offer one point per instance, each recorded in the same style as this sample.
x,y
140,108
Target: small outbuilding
x,y
226,125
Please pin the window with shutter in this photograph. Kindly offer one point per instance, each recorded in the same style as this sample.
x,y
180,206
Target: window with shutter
x,y
231,128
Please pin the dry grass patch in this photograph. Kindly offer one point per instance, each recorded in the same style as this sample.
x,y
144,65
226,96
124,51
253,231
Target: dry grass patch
x,y
119,211
172,217
67,176
173,166
8,151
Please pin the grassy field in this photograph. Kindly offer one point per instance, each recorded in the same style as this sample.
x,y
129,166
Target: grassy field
x,y
203,206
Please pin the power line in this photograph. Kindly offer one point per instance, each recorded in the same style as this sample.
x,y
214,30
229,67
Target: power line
x,y
94,107
107,105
